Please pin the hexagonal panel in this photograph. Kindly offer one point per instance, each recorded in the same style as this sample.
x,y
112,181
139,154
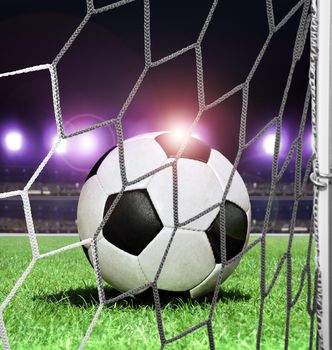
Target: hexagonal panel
x,y
118,268
222,167
209,284
95,168
134,222
189,261
141,156
90,208
199,189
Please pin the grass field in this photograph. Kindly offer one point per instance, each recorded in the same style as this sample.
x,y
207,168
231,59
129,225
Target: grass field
x,y
57,302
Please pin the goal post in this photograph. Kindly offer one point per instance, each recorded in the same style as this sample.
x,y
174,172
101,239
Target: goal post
x,y
323,145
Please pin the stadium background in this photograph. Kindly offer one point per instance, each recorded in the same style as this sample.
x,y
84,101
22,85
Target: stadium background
x,y
98,72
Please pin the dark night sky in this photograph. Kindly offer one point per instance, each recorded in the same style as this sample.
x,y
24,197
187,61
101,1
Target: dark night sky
x,y
99,70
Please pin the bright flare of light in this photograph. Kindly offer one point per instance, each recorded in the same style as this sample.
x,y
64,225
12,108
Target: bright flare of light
x,y
268,144
196,136
182,133
87,143
14,141
62,146
179,133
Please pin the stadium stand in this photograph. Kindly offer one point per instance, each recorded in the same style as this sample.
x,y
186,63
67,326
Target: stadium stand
x,y
285,189
54,207
54,201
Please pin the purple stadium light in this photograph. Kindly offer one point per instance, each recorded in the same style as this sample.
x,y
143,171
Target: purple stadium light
x,y
84,150
268,143
180,132
84,145
14,141
62,146
81,152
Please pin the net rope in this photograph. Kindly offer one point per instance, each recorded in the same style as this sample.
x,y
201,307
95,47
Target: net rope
x,y
308,22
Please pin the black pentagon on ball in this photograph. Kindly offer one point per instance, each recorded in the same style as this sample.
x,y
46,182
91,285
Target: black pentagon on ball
x,y
195,149
134,223
236,232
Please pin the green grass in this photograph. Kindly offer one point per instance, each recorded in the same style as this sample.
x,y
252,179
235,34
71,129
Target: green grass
x,y
55,305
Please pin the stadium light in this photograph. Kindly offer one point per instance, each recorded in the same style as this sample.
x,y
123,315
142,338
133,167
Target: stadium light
x,y
14,141
268,144
62,146
196,136
181,132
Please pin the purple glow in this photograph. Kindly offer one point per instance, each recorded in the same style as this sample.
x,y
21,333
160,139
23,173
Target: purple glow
x,y
62,146
14,141
86,144
269,143
81,152
180,131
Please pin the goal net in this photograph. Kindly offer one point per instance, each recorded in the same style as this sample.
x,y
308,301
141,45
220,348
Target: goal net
x,y
312,285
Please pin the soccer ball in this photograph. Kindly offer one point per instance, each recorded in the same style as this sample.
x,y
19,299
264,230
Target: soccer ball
x,y
133,240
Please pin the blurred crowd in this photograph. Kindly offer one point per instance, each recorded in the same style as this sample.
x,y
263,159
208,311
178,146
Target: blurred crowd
x,y
283,189
54,207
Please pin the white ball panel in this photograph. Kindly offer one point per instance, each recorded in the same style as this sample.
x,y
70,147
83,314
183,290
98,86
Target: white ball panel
x,y
198,189
141,156
90,207
189,260
209,284
109,173
118,268
222,167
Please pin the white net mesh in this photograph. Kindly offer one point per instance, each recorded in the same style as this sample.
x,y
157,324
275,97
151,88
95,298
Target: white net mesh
x,y
300,180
